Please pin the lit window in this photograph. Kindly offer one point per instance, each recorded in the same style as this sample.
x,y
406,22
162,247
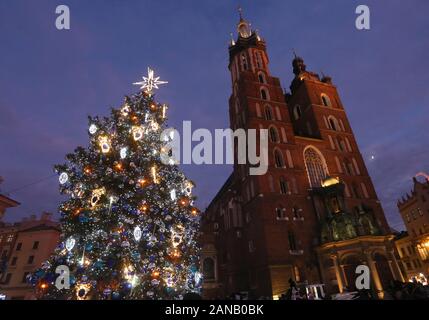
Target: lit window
x,y
315,166
9,238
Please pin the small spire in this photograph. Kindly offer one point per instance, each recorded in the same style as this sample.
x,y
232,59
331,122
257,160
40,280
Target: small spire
x,y
294,53
240,12
232,39
257,35
243,26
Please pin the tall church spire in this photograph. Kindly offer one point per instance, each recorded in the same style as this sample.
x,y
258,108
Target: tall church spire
x,y
243,26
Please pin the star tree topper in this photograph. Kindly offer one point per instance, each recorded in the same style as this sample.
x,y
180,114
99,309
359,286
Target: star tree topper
x,y
150,82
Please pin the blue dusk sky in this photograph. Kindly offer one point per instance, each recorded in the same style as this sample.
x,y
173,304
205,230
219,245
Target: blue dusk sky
x,y
51,80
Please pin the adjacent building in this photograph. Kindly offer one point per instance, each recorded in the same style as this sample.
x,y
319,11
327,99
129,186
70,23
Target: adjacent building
x,y
24,246
5,203
413,245
315,215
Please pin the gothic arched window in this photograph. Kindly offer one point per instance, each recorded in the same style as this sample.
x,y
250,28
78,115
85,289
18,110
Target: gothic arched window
x,y
325,100
264,94
284,188
315,165
274,136
268,113
258,60
278,157
261,77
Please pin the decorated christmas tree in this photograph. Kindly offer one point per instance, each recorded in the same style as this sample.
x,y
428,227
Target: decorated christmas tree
x,y
129,227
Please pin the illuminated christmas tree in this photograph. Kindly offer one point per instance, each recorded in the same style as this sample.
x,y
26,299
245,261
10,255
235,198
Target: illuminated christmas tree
x,y
129,227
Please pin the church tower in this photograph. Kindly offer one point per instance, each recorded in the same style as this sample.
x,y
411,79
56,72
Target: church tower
x,y
314,216
267,222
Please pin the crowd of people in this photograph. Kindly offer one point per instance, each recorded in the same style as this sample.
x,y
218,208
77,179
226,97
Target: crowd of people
x,y
397,290
407,291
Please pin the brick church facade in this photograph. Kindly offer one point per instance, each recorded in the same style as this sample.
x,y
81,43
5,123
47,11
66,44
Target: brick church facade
x,y
314,216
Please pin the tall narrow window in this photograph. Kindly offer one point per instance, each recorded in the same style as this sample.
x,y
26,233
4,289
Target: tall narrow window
x,y
278,158
325,100
244,62
333,123
284,189
315,166
274,136
264,95
258,60
261,77
268,113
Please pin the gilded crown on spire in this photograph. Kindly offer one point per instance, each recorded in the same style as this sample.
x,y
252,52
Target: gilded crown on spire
x,y
243,26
